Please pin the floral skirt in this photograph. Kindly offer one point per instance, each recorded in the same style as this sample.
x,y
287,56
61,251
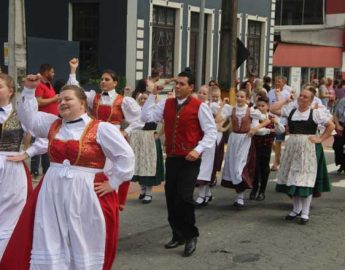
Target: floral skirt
x,y
298,169
149,165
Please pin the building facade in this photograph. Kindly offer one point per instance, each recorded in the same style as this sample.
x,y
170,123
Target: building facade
x,y
310,40
134,36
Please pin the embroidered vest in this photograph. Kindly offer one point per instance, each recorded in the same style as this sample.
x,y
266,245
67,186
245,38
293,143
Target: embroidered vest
x,y
11,134
85,152
182,127
106,113
245,123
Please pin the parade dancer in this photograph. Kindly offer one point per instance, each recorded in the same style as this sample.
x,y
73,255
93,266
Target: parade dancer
x,y
149,166
263,140
110,107
221,111
239,164
207,162
15,179
189,131
298,171
74,212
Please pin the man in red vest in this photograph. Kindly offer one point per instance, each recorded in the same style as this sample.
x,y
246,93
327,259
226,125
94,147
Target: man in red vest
x,y
189,129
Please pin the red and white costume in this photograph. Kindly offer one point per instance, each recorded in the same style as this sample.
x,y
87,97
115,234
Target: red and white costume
x,y
73,228
15,179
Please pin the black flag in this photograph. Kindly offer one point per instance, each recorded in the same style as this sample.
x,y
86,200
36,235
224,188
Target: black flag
x,y
242,53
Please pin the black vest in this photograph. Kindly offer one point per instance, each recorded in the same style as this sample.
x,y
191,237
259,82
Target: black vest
x,y
11,134
306,127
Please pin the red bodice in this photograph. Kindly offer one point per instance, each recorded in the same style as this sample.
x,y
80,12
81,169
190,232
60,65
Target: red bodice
x,y
106,113
85,152
245,123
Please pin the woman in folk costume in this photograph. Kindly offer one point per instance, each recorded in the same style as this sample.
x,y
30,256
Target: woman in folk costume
x,y
149,166
239,165
71,219
15,180
298,172
207,161
221,112
110,107
322,183
339,137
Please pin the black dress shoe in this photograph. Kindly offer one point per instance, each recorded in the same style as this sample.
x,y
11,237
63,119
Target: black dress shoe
x,y
173,243
141,196
189,247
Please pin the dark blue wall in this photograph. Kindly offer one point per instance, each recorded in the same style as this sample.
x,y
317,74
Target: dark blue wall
x,y
112,35
47,19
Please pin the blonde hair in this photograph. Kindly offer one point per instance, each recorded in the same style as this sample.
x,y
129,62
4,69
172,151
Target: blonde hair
x,y
9,83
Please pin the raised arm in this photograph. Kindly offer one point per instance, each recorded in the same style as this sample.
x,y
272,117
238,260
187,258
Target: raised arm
x,y
38,123
152,112
132,112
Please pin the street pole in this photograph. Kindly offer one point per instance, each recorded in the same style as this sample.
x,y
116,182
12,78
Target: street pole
x,y
228,49
12,70
200,47
16,40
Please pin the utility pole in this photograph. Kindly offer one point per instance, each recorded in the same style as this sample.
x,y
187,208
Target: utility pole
x,y
200,50
16,40
228,48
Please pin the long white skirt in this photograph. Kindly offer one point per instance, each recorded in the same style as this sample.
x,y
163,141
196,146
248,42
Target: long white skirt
x,y
236,157
298,163
207,161
69,226
13,195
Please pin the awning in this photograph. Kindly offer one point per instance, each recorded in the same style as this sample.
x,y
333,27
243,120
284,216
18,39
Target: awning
x,y
295,55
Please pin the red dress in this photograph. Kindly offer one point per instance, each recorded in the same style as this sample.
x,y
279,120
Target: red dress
x,y
18,251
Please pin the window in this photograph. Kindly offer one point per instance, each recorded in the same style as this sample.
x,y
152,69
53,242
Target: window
x,y
193,49
85,30
299,12
163,40
254,47
281,71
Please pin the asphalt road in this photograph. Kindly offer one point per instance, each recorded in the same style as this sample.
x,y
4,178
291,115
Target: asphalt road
x,y
256,237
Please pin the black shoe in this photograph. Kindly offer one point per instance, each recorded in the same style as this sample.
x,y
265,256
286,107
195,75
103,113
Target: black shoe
x,y
147,199
290,217
173,243
252,196
303,221
189,247
141,196
260,197
202,204
238,205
